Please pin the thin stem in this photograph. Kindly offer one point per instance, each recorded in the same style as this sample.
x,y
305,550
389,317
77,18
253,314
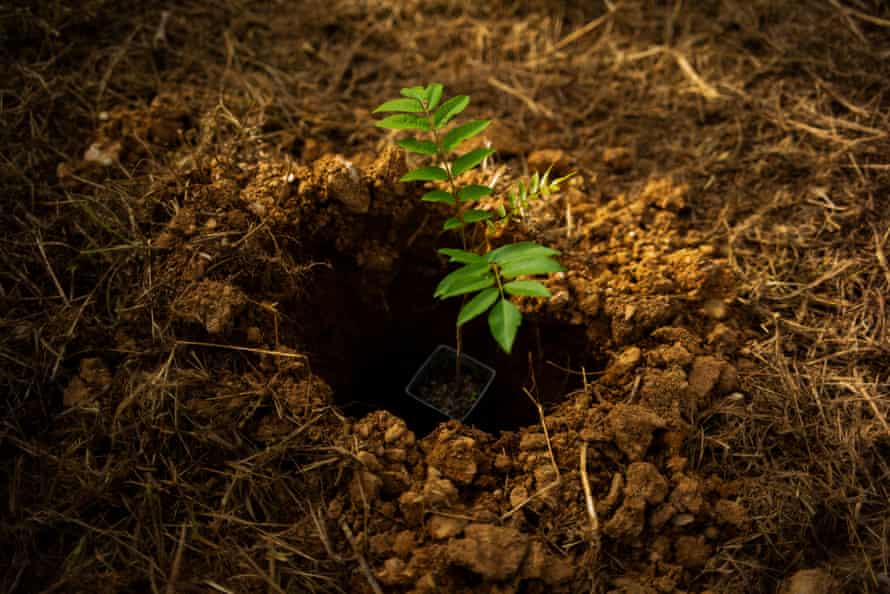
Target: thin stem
x,y
441,156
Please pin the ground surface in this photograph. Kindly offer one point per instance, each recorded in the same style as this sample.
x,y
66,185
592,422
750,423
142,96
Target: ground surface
x,y
213,289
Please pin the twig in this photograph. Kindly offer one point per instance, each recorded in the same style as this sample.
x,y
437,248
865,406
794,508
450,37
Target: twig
x,y
240,348
588,498
535,107
177,563
366,569
705,89
52,273
546,433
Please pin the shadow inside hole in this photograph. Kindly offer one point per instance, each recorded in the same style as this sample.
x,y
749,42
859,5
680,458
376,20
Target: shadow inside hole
x,y
367,343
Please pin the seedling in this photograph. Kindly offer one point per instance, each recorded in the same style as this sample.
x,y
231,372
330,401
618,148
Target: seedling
x,y
488,278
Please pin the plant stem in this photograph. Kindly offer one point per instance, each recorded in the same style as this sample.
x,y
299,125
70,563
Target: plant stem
x,y
441,156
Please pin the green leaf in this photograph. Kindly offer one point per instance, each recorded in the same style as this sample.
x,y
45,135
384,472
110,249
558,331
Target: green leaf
x,y
408,105
433,95
471,193
458,134
449,109
527,288
462,256
404,121
478,305
477,275
518,251
504,321
418,93
423,147
430,173
469,160
438,196
466,285
452,223
533,184
531,266
474,216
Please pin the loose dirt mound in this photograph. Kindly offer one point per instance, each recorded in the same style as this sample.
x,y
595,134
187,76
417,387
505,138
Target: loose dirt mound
x,y
213,290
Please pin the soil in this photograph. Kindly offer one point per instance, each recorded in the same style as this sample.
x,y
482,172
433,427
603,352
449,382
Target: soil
x,y
214,289
450,390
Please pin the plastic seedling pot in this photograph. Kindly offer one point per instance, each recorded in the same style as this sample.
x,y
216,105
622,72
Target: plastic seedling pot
x,y
435,384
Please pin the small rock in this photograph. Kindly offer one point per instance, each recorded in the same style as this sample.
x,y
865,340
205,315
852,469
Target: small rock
x,y
370,461
644,480
442,527
365,486
502,463
693,551
539,564
518,496
439,491
456,459
809,581
676,354
625,362
394,432
724,338
705,373
687,494
394,572
628,521
411,505
730,512
633,427
403,544
493,552
544,475
533,441
714,309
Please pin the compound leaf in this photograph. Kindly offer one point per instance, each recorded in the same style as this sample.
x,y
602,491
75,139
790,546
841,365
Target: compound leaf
x,y
449,109
404,121
458,134
430,173
423,147
504,321
438,196
469,160
406,104
527,288
531,266
474,192
478,305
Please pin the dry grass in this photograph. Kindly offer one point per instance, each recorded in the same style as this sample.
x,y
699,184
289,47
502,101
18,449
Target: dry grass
x,y
775,114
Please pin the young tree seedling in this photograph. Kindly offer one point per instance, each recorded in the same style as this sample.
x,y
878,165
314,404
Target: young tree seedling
x,y
488,278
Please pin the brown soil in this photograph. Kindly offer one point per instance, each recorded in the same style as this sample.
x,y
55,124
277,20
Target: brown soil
x,y
451,390
213,290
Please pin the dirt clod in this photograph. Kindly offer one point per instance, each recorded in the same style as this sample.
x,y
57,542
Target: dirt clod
x,y
495,553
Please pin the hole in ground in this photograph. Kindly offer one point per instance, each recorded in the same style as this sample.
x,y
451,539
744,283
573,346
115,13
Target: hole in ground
x,y
367,338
